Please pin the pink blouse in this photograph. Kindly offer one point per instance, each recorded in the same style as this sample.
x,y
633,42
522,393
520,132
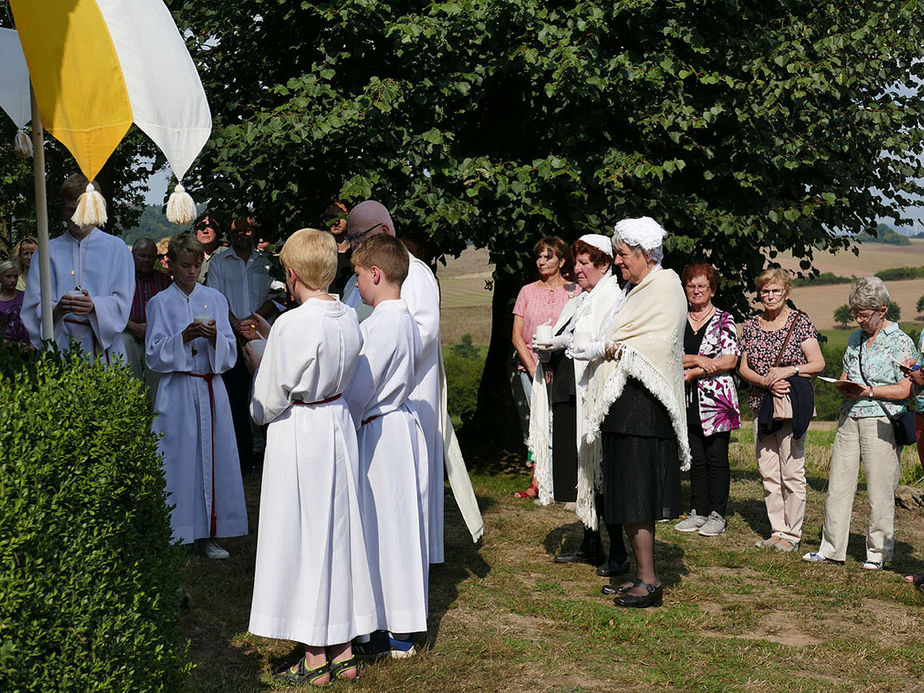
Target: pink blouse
x,y
539,306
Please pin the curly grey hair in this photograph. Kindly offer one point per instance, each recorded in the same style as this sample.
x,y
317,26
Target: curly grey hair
x,y
869,293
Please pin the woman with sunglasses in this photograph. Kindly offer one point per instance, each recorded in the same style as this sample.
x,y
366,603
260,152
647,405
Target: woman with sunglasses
x,y
779,351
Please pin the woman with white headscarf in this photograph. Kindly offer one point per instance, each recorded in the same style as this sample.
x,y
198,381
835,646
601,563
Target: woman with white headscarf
x,y
634,406
593,260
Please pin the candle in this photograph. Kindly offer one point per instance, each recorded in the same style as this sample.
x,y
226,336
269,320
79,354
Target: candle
x,y
203,317
543,333
75,292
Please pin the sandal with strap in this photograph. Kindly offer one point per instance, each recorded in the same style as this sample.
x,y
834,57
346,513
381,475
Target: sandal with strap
x,y
300,674
337,669
532,491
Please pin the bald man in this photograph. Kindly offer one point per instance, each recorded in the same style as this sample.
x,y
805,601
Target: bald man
x,y
421,293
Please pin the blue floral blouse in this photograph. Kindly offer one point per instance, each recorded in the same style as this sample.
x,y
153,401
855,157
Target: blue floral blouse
x,y
878,367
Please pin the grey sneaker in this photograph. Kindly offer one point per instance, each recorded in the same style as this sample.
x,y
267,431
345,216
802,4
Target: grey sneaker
x,y
691,524
714,525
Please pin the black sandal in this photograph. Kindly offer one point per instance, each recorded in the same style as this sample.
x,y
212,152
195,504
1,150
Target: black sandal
x,y
337,669
299,674
619,589
653,597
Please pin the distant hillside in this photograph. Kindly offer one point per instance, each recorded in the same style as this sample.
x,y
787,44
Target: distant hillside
x,y
153,224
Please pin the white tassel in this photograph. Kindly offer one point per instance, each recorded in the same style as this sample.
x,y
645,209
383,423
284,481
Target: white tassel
x,y
91,208
180,207
22,145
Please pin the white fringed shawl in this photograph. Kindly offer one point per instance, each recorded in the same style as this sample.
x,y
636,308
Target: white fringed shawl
x,y
590,313
650,327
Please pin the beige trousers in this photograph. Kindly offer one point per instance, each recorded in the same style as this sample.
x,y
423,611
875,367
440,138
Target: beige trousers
x,y
871,440
781,463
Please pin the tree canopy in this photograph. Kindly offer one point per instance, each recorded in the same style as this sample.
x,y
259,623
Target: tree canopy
x,y
746,128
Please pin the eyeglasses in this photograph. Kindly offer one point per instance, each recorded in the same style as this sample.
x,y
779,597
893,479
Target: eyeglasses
x,y
863,316
360,237
698,287
772,292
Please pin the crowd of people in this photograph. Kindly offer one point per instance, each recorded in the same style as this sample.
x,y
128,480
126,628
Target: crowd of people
x,y
634,380
628,369
349,397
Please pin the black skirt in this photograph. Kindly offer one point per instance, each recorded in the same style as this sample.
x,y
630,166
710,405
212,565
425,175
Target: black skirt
x,y
564,450
641,460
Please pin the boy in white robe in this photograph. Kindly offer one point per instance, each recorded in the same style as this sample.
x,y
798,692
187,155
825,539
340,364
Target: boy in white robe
x,y
92,286
188,340
392,446
311,582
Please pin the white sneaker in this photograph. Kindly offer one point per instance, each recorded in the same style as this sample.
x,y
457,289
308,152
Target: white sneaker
x,y
715,524
691,524
210,549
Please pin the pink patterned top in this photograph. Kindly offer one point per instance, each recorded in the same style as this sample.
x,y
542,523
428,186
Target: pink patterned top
x,y
539,306
762,346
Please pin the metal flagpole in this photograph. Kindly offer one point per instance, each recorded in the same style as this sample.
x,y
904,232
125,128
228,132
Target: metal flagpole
x,y
41,218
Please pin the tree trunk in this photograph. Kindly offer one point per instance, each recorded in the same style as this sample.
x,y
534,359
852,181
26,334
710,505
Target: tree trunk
x,y
496,422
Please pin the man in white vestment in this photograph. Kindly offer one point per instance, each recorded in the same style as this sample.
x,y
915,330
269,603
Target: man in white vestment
x,y
421,294
92,286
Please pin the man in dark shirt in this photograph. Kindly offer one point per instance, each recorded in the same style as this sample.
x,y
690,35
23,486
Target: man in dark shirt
x,y
148,282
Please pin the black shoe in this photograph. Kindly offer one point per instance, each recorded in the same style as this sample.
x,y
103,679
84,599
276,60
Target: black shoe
x,y
580,555
613,569
654,597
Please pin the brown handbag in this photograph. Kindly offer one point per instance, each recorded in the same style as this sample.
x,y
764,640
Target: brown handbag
x,y
782,406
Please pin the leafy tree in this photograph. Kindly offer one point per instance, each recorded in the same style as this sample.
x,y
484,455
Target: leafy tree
x,y
747,128
920,305
843,316
893,312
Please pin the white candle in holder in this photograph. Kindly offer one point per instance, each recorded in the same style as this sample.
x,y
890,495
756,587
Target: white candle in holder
x,y
543,333
75,292
202,317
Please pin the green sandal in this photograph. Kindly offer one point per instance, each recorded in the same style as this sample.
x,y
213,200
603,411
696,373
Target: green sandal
x,y
338,668
299,674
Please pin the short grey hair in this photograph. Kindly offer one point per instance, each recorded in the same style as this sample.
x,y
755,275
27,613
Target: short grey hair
x,y
142,243
869,293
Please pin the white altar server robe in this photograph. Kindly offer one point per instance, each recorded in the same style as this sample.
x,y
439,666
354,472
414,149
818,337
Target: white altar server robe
x,y
101,264
422,295
392,447
311,582
200,453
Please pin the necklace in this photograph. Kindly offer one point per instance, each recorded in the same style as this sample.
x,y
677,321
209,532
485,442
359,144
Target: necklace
x,y
699,322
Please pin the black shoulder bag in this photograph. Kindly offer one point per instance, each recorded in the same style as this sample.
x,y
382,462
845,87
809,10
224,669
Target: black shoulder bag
x,y
902,425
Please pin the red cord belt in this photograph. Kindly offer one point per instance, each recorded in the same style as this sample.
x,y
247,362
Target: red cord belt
x,y
320,401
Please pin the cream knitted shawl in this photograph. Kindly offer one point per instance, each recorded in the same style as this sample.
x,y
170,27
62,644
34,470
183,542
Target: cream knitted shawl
x,y
650,327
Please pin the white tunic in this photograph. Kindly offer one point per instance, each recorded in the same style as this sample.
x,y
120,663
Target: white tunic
x,y
392,447
198,444
101,264
311,582
421,293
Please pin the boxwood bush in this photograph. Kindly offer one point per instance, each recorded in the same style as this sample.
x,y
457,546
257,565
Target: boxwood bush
x,y
89,583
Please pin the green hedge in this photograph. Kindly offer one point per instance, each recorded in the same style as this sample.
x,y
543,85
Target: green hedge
x,y
90,583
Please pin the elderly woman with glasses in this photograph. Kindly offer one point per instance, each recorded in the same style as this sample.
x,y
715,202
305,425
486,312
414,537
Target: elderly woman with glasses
x,y
874,394
634,415
779,351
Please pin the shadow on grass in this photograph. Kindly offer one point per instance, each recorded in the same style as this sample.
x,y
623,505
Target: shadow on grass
x,y
463,561
668,557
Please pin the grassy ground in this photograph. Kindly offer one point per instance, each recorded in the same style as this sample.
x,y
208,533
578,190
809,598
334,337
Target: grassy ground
x,y
504,617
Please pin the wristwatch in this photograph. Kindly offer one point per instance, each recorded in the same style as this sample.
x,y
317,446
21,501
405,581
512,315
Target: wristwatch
x,y
797,369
